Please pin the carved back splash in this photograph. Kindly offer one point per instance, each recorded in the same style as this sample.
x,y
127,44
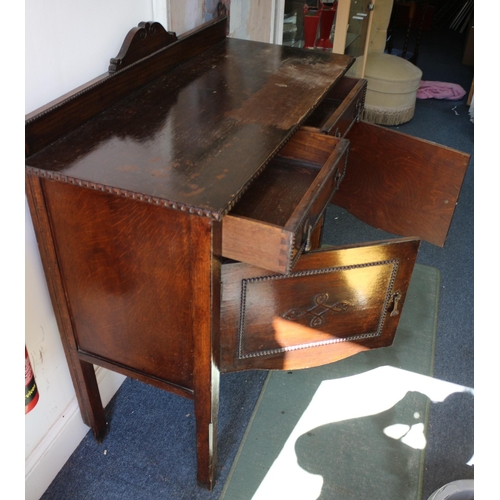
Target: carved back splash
x,y
140,42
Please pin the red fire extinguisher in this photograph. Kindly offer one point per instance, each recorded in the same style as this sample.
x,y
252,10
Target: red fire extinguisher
x,y
30,389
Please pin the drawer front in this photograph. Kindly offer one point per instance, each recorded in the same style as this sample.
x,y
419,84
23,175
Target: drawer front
x,y
303,240
341,108
274,221
335,303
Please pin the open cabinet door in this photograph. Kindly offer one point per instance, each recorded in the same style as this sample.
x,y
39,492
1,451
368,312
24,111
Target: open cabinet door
x,y
401,184
336,302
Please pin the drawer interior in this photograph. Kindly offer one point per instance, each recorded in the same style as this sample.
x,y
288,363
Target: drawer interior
x,y
335,101
274,195
271,223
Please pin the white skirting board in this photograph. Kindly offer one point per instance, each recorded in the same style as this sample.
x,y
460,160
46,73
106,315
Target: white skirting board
x,y
50,455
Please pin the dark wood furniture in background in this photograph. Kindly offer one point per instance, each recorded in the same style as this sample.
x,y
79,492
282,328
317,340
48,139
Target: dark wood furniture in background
x,y
178,203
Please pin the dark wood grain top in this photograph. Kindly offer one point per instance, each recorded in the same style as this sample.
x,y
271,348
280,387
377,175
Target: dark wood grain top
x,y
195,137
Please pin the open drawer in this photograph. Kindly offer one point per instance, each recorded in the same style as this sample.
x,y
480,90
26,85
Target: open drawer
x,y
275,219
340,108
336,303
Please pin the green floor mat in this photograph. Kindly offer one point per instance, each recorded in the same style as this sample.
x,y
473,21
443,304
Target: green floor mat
x,y
351,430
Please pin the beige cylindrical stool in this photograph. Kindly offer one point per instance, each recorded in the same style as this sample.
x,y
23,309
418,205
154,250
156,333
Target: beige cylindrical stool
x,y
391,92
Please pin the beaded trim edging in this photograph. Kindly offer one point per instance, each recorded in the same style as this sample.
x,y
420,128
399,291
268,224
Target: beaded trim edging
x,y
211,214
154,200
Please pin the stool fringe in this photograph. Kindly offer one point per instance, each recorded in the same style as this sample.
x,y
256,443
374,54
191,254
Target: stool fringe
x,y
385,116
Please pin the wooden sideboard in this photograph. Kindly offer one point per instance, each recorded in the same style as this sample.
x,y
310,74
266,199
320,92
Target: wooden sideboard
x,y
178,203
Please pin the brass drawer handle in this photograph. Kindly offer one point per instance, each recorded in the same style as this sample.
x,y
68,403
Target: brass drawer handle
x,y
395,298
359,109
308,239
338,175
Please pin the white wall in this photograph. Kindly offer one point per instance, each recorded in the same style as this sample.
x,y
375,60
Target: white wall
x,y
261,21
186,15
253,20
67,43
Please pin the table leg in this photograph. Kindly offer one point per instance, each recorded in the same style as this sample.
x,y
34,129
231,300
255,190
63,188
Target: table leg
x,y
89,399
206,312
206,412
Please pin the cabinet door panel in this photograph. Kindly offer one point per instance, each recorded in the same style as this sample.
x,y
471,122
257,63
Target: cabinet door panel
x,y
335,303
401,184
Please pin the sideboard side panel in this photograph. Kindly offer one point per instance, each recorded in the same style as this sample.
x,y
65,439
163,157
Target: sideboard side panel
x,y
126,266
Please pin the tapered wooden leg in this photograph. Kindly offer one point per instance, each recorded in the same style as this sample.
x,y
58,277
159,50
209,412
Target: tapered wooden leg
x,y
206,411
206,310
89,399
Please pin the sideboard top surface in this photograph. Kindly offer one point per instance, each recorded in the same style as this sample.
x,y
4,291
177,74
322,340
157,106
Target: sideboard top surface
x,y
196,136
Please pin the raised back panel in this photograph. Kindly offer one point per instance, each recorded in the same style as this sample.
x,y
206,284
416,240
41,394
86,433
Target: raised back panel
x,y
141,42
59,117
